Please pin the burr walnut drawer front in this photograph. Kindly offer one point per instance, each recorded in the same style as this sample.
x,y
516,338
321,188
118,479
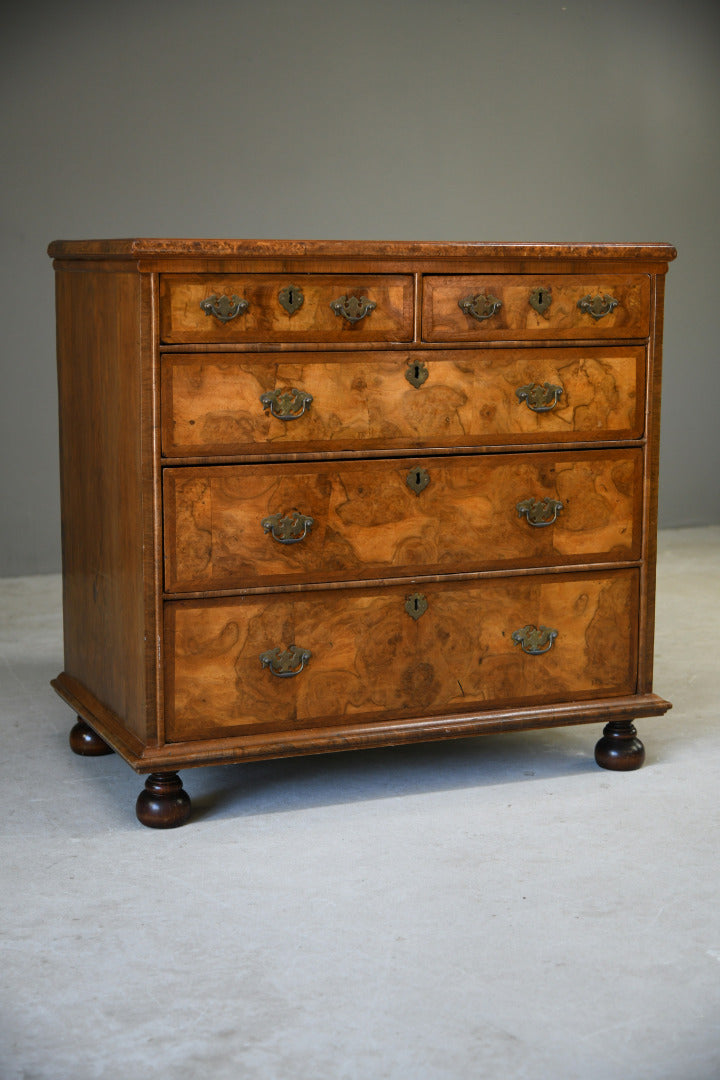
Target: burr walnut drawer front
x,y
282,403
233,526
251,664
300,307
480,307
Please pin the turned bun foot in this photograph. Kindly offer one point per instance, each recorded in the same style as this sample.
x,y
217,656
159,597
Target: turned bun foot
x,y
620,747
86,742
164,804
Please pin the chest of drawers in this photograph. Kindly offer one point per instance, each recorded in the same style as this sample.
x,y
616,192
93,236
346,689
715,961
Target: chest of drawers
x,y
319,496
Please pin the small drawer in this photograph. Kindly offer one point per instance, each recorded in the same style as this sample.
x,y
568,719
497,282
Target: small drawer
x,y
282,404
235,526
300,307
505,307
289,661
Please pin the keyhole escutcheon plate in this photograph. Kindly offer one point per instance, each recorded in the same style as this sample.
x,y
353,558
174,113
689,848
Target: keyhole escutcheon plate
x,y
416,373
540,299
291,298
417,480
416,605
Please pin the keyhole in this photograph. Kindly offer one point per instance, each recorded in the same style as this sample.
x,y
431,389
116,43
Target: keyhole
x,y
291,298
417,477
416,603
417,371
540,297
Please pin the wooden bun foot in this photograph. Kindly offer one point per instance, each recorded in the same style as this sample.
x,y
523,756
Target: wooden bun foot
x,y
164,804
86,742
620,748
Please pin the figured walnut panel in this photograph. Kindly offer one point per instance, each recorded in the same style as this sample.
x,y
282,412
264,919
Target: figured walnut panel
x,y
211,403
370,659
443,319
368,523
183,320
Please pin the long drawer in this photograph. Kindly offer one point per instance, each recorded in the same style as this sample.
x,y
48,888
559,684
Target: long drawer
x,y
222,404
267,307
231,526
275,662
502,306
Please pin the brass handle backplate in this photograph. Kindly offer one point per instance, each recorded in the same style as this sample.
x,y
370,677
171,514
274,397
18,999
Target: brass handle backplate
x,y
480,306
534,640
286,404
288,529
352,308
539,398
285,662
598,306
539,512
224,307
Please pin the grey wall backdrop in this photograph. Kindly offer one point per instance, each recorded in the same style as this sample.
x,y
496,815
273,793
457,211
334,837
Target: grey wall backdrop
x,y
357,119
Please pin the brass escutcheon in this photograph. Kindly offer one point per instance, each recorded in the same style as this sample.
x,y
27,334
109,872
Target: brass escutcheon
x,y
417,480
416,373
534,640
539,512
224,307
540,299
291,298
416,605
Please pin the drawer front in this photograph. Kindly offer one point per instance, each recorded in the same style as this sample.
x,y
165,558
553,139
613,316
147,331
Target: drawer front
x,y
267,307
503,307
235,526
280,403
359,655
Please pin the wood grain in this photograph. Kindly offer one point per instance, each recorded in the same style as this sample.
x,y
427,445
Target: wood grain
x,y
368,523
183,320
443,320
211,403
370,659
106,515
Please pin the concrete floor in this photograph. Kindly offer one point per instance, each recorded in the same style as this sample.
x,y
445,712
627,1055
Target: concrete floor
x,y
497,907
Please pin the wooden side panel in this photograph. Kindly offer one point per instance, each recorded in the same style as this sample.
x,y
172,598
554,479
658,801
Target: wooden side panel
x,y
371,660
183,319
211,403
105,530
367,522
443,319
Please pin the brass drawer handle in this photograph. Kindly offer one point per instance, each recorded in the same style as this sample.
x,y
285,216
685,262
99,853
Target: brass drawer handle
x,y
224,307
286,662
534,640
539,512
286,404
290,529
352,308
539,398
480,306
598,306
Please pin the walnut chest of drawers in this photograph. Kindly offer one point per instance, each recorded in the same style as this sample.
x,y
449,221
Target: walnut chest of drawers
x,y
319,496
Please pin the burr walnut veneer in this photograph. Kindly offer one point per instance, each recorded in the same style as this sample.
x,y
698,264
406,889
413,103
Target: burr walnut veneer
x,y
319,496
